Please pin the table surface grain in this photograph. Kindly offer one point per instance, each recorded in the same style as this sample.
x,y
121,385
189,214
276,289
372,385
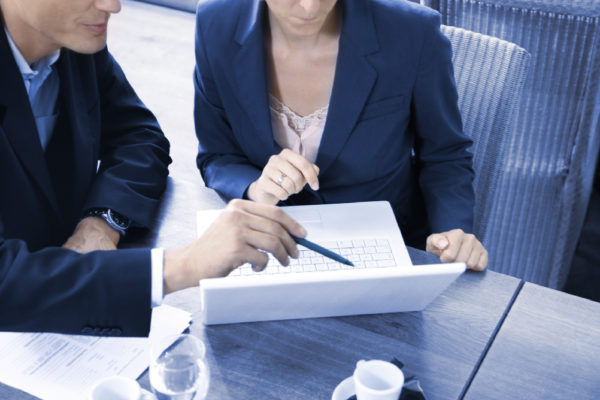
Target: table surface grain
x,y
306,359
548,348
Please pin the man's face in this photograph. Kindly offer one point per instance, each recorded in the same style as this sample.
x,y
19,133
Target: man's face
x,y
79,25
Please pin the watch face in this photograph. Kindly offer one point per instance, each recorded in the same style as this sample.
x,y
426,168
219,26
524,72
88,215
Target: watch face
x,y
118,219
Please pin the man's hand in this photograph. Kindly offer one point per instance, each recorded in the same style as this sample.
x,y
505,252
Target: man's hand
x,y
457,246
243,232
284,175
92,233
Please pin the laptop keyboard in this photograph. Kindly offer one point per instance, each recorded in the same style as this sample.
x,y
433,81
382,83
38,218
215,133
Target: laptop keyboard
x,y
366,253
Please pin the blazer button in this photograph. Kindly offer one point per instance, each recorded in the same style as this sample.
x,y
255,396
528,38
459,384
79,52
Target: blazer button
x,y
115,332
104,332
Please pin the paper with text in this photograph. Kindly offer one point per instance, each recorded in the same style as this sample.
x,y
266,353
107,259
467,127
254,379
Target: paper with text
x,y
64,367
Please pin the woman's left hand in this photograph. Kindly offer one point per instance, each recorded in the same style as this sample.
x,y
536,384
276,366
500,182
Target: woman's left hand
x,y
458,246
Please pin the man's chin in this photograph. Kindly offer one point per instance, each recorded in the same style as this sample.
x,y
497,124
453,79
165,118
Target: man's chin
x,y
88,47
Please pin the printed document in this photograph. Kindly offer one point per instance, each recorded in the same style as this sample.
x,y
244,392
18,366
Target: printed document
x,y
65,367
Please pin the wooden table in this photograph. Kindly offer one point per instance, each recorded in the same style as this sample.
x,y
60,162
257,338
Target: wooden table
x,y
548,348
305,359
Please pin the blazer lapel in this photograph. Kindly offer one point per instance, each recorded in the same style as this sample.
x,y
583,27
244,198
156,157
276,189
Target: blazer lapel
x,y
353,82
251,72
18,122
75,90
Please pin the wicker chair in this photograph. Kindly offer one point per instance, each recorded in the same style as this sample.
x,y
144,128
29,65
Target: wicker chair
x,y
549,168
490,75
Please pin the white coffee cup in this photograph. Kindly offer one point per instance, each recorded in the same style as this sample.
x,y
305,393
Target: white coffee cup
x,y
116,388
377,380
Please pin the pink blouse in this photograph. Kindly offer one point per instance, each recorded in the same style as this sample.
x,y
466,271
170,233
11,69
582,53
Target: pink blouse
x,y
297,133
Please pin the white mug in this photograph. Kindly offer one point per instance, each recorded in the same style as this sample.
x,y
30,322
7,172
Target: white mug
x,y
116,388
377,380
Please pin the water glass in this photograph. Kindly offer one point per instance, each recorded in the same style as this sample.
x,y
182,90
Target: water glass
x,y
177,368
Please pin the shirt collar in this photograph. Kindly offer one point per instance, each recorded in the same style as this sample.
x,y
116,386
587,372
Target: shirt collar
x,y
24,67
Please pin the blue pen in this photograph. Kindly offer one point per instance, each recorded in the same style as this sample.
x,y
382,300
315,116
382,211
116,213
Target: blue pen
x,y
322,250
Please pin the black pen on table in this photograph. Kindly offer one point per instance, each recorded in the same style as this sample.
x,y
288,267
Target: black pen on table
x,y
322,250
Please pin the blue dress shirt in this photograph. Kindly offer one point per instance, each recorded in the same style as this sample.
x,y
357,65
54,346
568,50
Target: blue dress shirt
x,y
42,84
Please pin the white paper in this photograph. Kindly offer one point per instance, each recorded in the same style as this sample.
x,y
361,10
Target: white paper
x,y
65,367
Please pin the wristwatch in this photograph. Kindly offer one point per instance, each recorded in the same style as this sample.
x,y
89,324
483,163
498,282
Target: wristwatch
x,y
115,220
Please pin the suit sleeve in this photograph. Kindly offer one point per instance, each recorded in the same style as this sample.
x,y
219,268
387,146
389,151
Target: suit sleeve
x,y
134,153
444,161
104,293
222,163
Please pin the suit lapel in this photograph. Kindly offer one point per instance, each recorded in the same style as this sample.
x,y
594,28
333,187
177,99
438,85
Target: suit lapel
x,y
75,96
353,82
18,122
251,72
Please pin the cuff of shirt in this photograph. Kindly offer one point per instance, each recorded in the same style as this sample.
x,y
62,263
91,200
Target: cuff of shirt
x,y
157,258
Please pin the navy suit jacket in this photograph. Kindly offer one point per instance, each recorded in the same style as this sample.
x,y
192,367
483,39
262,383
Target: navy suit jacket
x,y
393,92
42,286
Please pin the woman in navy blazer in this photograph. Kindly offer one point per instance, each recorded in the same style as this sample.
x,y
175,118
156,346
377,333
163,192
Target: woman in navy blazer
x,y
382,73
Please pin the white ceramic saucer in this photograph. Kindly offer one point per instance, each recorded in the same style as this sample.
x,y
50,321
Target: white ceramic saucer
x,y
147,395
344,390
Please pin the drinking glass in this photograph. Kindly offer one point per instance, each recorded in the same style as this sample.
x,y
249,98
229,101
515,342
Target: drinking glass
x,y
177,368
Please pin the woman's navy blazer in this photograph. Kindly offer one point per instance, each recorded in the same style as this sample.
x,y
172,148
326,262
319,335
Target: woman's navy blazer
x,y
393,130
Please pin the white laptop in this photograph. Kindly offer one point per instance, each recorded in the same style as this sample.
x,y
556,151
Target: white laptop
x,y
382,280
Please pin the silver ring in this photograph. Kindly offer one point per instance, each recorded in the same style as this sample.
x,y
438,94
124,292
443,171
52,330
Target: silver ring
x,y
279,180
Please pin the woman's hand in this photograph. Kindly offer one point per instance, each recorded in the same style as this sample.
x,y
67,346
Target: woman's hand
x,y
284,175
458,246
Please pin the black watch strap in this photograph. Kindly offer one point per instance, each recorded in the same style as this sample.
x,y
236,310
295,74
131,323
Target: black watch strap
x,y
115,220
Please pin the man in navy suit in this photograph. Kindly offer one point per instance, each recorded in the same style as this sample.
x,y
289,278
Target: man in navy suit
x,y
81,161
366,93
